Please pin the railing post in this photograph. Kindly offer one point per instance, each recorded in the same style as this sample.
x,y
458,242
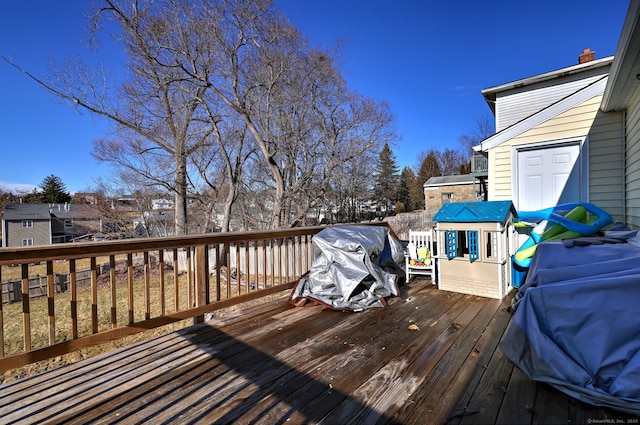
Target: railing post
x,y
201,279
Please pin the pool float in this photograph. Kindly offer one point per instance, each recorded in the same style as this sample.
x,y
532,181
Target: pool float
x,y
563,221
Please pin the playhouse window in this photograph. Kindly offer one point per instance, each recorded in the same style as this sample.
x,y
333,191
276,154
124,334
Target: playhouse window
x,y
461,243
491,249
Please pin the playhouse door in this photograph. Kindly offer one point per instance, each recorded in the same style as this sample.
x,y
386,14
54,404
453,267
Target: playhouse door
x,y
548,176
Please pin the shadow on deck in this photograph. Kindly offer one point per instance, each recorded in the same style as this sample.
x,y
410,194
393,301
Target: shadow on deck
x,y
431,357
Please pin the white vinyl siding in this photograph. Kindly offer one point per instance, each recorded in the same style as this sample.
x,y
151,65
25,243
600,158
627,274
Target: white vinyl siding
x,y
573,123
515,105
632,175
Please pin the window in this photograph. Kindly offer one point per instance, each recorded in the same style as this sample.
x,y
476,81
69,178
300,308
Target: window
x,y
447,197
491,239
27,224
461,243
68,223
27,242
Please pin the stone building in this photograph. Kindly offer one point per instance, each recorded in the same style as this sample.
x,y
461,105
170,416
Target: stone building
x,y
447,189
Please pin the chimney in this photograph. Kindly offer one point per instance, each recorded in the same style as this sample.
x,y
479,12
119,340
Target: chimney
x,y
586,56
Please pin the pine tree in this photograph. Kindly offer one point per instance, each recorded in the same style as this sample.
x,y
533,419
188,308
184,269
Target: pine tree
x,y
53,190
407,181
387,179
429,167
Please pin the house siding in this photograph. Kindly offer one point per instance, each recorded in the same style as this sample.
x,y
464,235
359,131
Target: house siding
x,y
433,196
515,105
15,233
575,122
606,163
632,160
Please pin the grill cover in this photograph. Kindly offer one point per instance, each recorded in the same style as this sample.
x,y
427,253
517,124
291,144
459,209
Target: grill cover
x,y
355,268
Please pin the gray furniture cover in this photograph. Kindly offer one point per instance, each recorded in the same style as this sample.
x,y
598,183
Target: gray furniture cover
x,y
355,268
577,320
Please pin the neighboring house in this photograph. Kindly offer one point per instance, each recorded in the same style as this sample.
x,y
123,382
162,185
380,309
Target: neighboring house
x,y
125,203
45,224
447,189
154,224
162,204
572,134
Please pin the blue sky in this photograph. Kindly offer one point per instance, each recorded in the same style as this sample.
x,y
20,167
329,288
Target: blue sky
x,y
427,59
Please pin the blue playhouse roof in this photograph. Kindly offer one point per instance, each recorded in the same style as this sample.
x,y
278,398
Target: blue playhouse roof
x,y
475,212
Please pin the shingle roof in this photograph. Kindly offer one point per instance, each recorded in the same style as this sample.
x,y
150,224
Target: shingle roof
x,y
43,211
450,180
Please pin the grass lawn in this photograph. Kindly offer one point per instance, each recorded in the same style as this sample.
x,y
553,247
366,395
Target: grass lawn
x,y
13,318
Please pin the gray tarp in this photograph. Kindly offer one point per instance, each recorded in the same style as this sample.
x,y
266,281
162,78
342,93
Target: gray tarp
x,y
576,325
355,267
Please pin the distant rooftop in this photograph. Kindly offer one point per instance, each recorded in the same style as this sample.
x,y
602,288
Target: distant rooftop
x,y
449,180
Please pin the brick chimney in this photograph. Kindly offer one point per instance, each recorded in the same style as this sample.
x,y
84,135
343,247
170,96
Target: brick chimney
x,y
586,56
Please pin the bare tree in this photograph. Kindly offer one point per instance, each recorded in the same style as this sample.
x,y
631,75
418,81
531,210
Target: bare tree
x,y
484,129
150,110
225,98
289,95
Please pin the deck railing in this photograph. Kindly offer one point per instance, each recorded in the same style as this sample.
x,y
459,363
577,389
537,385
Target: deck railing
x,y
101,291
479,165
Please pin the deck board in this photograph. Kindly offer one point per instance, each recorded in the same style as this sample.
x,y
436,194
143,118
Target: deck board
x,y
275,363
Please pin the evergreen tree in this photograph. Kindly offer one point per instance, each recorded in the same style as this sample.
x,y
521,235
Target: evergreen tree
x,y
53,190
386,179
429,167
407,181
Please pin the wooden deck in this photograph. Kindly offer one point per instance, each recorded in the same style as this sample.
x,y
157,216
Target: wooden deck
x,y
276,364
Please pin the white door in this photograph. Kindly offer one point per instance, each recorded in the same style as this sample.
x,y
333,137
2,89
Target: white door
x,y
548,176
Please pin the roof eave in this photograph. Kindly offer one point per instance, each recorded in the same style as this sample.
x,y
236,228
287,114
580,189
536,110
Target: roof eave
x,y
543,115
623,81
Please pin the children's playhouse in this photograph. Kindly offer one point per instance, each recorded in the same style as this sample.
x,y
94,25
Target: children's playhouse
x,y
475,241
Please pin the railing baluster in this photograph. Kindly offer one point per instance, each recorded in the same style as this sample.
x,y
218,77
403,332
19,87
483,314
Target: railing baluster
x,y
218,283
94,296
238,268
161,278
297,255
264,264
272,243
130,288
246,263
280,262
255,263
176,280
51,306
201,279
147,286
112,287
227,250
189,279
26,314
73,287
286,260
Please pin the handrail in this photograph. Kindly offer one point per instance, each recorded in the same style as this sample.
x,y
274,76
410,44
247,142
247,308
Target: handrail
x,y
140,284
479,164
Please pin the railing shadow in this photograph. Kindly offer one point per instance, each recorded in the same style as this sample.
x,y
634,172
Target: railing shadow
x,y
251,386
